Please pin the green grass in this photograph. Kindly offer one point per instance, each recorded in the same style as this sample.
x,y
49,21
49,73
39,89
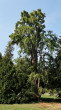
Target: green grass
x,y
37,106
48,96
19,107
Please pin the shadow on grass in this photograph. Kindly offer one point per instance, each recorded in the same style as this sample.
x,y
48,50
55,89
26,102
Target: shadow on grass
x,y
50,100
46,100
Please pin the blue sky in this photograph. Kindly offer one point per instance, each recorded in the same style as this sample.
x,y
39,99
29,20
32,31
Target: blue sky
x,y
10,11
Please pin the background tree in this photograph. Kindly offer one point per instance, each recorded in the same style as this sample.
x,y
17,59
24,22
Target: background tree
x,y
7,91
58,65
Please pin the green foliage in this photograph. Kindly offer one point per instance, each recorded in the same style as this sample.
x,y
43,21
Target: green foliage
x,y
59,94
26,30
36,71
58,65
6,78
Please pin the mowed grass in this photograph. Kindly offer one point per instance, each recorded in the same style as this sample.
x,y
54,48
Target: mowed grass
x,y
48,96
35,106
20,107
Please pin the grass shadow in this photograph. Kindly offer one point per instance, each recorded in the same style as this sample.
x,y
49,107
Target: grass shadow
x,y
50,100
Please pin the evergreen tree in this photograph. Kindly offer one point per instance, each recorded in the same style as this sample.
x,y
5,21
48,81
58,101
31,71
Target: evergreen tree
x,y
7,70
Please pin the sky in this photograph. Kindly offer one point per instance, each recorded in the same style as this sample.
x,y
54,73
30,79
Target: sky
x,y
10,11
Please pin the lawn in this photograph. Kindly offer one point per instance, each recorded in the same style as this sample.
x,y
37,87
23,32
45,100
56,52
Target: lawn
x,y
35,106
20,107
49,96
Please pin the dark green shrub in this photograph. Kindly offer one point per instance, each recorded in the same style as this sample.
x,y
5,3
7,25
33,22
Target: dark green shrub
x,y
59,94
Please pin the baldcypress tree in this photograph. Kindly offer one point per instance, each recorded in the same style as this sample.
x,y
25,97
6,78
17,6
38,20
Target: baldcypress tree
x,y
30,35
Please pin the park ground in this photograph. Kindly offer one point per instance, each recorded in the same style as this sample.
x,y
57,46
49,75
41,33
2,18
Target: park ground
x,y
35,106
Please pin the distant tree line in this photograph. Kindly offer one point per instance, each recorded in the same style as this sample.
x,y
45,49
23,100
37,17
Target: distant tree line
x,y
40,67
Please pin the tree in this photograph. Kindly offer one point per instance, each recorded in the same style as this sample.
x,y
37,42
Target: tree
x,y
30,35
7,71
58,65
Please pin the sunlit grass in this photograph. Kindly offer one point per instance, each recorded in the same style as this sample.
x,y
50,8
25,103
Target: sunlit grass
x,y
19,107
35,106
49,96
